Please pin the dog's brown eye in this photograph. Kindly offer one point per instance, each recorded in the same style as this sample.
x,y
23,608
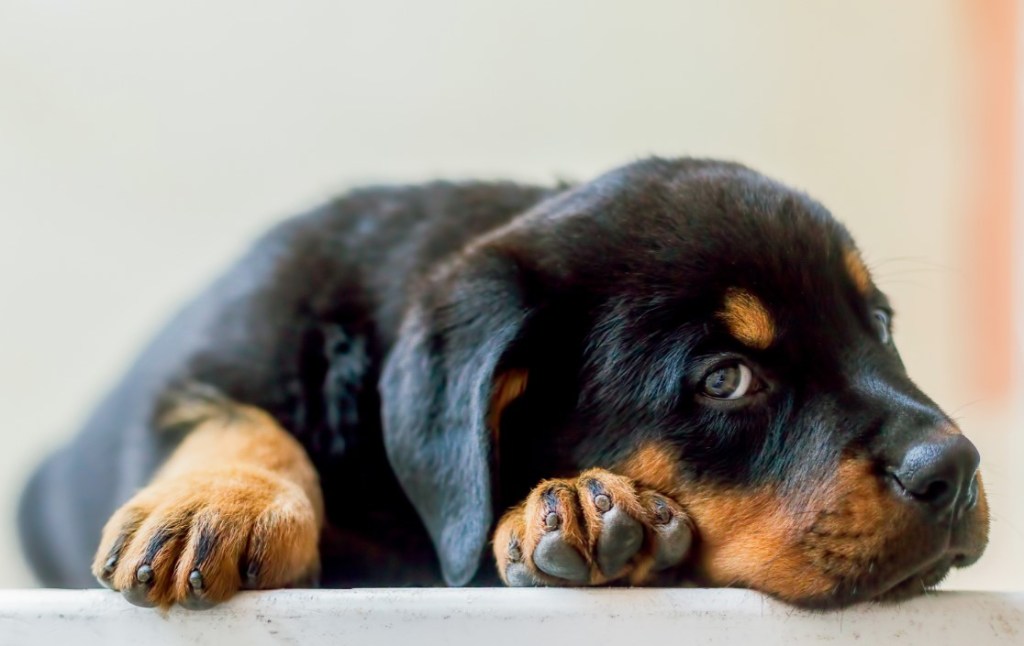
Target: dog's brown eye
x,y
882,324
730,381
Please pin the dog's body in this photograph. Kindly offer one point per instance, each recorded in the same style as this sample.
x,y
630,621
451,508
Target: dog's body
x,y
439,350
298,327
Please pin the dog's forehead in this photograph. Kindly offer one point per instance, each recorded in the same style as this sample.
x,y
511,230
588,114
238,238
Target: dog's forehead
x,y
721,243
689,233
728,228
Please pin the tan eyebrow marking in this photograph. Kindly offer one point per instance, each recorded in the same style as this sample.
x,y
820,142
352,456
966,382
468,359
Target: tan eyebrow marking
x,y
858,271
747,319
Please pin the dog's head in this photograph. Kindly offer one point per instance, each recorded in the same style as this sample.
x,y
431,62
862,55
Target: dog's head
x,y
705,331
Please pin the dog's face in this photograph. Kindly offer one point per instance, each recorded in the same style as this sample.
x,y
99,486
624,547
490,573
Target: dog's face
x,y
747,364
715,335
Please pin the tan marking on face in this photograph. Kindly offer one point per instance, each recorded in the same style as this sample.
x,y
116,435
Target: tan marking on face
x,y
508,386
744,535
747,319
858,271
855,536
852,534
751,539
653,465
747,538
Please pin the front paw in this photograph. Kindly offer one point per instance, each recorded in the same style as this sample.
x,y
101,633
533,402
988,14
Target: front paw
x,y
594,529
196,538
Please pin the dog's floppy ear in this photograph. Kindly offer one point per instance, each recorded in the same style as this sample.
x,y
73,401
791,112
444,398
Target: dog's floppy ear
x,y
437,389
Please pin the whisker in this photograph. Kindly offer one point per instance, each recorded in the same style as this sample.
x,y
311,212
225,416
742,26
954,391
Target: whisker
x,y
959,409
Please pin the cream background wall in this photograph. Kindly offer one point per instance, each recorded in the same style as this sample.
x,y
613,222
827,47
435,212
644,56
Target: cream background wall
x,y
142,145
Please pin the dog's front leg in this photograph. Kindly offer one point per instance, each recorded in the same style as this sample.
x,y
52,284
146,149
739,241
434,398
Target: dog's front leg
x,y
237,505
594,529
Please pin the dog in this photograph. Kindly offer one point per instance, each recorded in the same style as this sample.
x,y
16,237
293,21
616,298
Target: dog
x,y
680,372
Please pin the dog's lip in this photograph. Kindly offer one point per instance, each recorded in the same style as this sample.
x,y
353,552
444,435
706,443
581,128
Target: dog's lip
x,y
911,579
897,586
918,582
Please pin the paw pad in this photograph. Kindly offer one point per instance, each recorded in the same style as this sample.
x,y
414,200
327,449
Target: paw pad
x,y
592,530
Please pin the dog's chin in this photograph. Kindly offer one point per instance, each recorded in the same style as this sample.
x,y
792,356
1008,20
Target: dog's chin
x,y
893,589
917,584
890,577
904,582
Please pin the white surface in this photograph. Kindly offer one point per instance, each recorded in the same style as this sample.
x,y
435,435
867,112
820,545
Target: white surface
x,y
492,617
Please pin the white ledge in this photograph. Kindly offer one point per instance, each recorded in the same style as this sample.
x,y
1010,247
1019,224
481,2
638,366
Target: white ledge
x,y
495,616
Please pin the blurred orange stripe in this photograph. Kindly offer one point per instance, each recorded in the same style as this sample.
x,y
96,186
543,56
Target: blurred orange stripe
x,y
993,34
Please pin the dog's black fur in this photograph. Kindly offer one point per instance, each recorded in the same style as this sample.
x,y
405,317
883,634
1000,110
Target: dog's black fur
x,y
373,327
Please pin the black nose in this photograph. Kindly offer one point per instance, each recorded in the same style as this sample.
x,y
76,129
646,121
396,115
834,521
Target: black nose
x,y
939,472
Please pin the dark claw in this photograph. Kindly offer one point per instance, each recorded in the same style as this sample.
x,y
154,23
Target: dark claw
x,y
111,564
519,577
514,553
556,557
195,599
138,594
108,572
661,512
673,543
252,575
144,574
621,538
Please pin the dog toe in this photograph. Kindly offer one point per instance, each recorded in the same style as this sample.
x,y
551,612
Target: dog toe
x,y
672,530
117,534
137,591
596,529
194,599
518,576
557,558
621,538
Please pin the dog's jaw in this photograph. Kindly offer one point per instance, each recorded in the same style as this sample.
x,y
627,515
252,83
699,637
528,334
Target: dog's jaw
x,y
851,540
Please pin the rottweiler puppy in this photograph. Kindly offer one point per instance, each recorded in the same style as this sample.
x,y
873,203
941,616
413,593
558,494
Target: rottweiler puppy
x,y
680,371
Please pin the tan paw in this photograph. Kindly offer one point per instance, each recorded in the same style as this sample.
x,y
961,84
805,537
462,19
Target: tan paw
x,y
594,529
196,538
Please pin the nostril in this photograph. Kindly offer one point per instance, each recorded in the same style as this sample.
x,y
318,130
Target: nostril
x,y
935,491
939,472
923,489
